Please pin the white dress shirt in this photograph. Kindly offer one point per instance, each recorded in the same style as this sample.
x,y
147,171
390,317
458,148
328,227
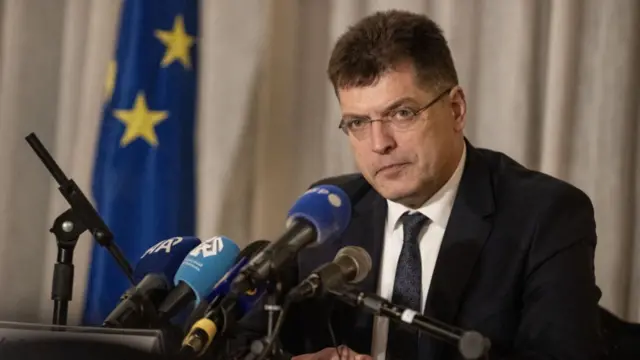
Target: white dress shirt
x,y
437,209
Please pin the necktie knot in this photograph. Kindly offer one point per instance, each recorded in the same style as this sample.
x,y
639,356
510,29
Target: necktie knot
x,y
412,223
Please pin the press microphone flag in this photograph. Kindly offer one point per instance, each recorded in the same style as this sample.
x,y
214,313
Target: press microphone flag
x,y
166,255
224,310
153,276
200,270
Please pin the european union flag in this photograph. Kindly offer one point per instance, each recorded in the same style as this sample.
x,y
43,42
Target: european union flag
x,y
143,182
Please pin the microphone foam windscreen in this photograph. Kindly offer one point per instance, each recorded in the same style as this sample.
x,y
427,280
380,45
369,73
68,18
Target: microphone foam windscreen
x,y
327,207
165,257
205,265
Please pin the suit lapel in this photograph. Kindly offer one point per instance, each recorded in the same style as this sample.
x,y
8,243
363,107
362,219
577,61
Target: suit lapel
x,y
467,230
468,227
371,223
367,231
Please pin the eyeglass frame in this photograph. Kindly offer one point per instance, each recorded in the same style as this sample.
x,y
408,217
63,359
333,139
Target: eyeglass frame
x,y
343,125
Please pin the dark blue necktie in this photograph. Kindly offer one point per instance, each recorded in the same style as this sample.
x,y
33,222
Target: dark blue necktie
x,y
402,343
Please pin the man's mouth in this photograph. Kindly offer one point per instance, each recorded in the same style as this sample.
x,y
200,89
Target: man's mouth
x,y
390,168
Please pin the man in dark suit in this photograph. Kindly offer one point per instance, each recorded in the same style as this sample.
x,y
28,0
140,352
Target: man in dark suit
x,y
464,235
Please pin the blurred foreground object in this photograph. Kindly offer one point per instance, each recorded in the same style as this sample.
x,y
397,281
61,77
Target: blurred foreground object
x,y
72,350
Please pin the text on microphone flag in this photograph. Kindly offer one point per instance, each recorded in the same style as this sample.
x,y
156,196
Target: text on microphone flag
x,y
164,245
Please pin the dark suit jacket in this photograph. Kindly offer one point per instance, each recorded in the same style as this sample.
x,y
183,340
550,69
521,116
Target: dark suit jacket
x,y
516,264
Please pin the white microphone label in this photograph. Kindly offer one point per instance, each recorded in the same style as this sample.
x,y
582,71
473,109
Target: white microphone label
x,y
208,248
407,316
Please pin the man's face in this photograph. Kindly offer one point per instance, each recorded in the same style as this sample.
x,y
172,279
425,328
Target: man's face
x,y
407,164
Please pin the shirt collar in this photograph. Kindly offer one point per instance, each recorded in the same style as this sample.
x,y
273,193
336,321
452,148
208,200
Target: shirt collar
x,y
438,207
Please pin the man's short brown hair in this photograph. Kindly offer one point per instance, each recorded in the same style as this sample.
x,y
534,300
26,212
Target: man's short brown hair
x,y
384,40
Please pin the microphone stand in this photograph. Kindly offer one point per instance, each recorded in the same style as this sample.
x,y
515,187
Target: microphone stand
x,y
67,228
471,344
272,307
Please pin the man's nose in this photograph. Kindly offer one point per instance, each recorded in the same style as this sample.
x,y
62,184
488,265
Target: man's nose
x,y
382,140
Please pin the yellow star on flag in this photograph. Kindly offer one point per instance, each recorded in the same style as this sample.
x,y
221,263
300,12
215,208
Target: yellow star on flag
x,y
140,122
110,81
178,43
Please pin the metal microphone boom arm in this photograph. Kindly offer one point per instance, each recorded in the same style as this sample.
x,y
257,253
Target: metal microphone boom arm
x,y
67,227
471,344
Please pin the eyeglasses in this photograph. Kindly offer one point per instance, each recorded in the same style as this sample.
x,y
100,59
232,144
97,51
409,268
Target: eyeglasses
x,y
402,118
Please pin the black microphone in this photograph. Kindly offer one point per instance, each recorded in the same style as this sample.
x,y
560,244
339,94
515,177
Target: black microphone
x,y
154,279
350,266
471,344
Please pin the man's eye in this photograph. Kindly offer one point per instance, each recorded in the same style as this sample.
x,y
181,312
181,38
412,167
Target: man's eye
x,y
356,123
403,114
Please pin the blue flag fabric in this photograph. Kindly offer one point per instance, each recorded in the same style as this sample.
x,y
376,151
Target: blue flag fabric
x,y
143,182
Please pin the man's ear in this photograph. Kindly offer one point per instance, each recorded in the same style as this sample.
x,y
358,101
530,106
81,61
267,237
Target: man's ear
x,y
458,107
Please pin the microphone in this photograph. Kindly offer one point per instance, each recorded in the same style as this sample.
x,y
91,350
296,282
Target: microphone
x,y
471,344
200,270
320,214
223,286
350,266
153,276
223,310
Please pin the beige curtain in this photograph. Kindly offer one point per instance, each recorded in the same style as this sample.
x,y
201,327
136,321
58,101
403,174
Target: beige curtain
x,y
551,83
52,64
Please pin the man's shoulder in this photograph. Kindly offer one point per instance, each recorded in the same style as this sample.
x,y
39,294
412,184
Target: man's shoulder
x,y
511,179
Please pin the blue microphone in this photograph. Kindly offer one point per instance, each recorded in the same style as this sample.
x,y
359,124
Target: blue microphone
x,y
223,286
153,276
327,208
320,214
223,311
200,270
166,255
246,301
238,307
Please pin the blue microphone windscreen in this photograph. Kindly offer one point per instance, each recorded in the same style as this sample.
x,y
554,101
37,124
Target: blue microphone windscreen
x,y
165,257
205,265
327,207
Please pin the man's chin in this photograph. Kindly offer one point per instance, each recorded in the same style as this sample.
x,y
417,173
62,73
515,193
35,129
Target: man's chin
x,y
395,193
